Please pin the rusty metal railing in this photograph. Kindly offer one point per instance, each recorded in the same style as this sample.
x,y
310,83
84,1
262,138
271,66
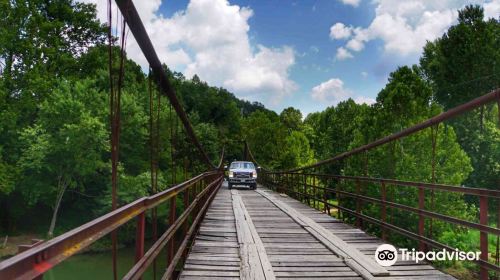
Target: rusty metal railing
x,y
196,193
311,186
307,188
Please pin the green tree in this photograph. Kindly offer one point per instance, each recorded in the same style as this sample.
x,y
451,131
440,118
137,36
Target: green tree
x,y
291,118
405,101
64,146
297,152
265,136
41,38
465,62
461,65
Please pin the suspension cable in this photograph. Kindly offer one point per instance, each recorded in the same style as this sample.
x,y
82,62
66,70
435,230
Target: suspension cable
x,y
135,24
172,146
154,158
111,120
115,122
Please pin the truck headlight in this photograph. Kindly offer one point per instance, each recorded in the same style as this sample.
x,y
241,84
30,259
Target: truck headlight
x,y
254,174
231,174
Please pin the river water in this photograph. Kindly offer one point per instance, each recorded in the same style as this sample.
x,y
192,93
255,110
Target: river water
x,y
96,266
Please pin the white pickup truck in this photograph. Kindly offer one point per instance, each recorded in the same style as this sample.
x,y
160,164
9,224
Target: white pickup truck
x,y
242,173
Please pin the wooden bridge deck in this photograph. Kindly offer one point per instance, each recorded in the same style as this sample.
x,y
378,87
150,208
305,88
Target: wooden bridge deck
x,y
263,235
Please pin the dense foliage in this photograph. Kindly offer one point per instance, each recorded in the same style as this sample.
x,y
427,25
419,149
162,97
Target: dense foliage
x,y
54,122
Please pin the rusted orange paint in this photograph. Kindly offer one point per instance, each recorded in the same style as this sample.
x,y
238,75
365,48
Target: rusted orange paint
x,y
42,267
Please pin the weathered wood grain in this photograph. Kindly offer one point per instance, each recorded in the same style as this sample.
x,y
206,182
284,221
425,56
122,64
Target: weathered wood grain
x,y
246,235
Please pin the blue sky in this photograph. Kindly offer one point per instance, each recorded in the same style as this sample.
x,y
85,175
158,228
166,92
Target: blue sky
x,y
305,26
308,54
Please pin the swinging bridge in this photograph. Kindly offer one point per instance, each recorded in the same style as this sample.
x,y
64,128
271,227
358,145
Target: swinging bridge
x,y
288,228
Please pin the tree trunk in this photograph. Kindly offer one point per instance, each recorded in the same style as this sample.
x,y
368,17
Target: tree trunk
x,y
62,189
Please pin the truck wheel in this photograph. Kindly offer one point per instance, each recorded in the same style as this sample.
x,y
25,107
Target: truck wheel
x,y
254,187
229,185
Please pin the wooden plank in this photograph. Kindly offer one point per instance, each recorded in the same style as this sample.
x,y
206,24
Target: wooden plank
x,y
317,263
211,273
315,274
425,277
331,277
250,264
304,258
331,241
233,240
208,262
312,268
211,267
183,277
255,262
217,244
215,252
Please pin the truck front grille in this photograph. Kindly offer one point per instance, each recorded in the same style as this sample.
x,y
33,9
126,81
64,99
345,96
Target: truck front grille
x,y
242,174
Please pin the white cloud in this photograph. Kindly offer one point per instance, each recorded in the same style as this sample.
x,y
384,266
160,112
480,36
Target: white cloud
x,y
210,38
355,45
340,31
402,38
333,91
353,3
492,9
364,74
364,100
267,72
357,42
343,54
405,26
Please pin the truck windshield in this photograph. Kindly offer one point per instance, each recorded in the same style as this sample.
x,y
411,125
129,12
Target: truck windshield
x,y
242,165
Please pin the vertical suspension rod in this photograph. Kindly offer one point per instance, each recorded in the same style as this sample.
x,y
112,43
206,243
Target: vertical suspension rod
x,y
135,24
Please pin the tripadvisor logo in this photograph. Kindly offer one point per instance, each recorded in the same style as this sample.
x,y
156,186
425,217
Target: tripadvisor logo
x,y
387,255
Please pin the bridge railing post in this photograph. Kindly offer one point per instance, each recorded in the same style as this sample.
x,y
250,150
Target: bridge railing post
x,y
338,186
139,236
295,185
300,189
296,181
279,182
288,185
24,247
315,192
325,201
171,221
383,210
285,180
358,204
186,200
483,237
421,218
306,190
